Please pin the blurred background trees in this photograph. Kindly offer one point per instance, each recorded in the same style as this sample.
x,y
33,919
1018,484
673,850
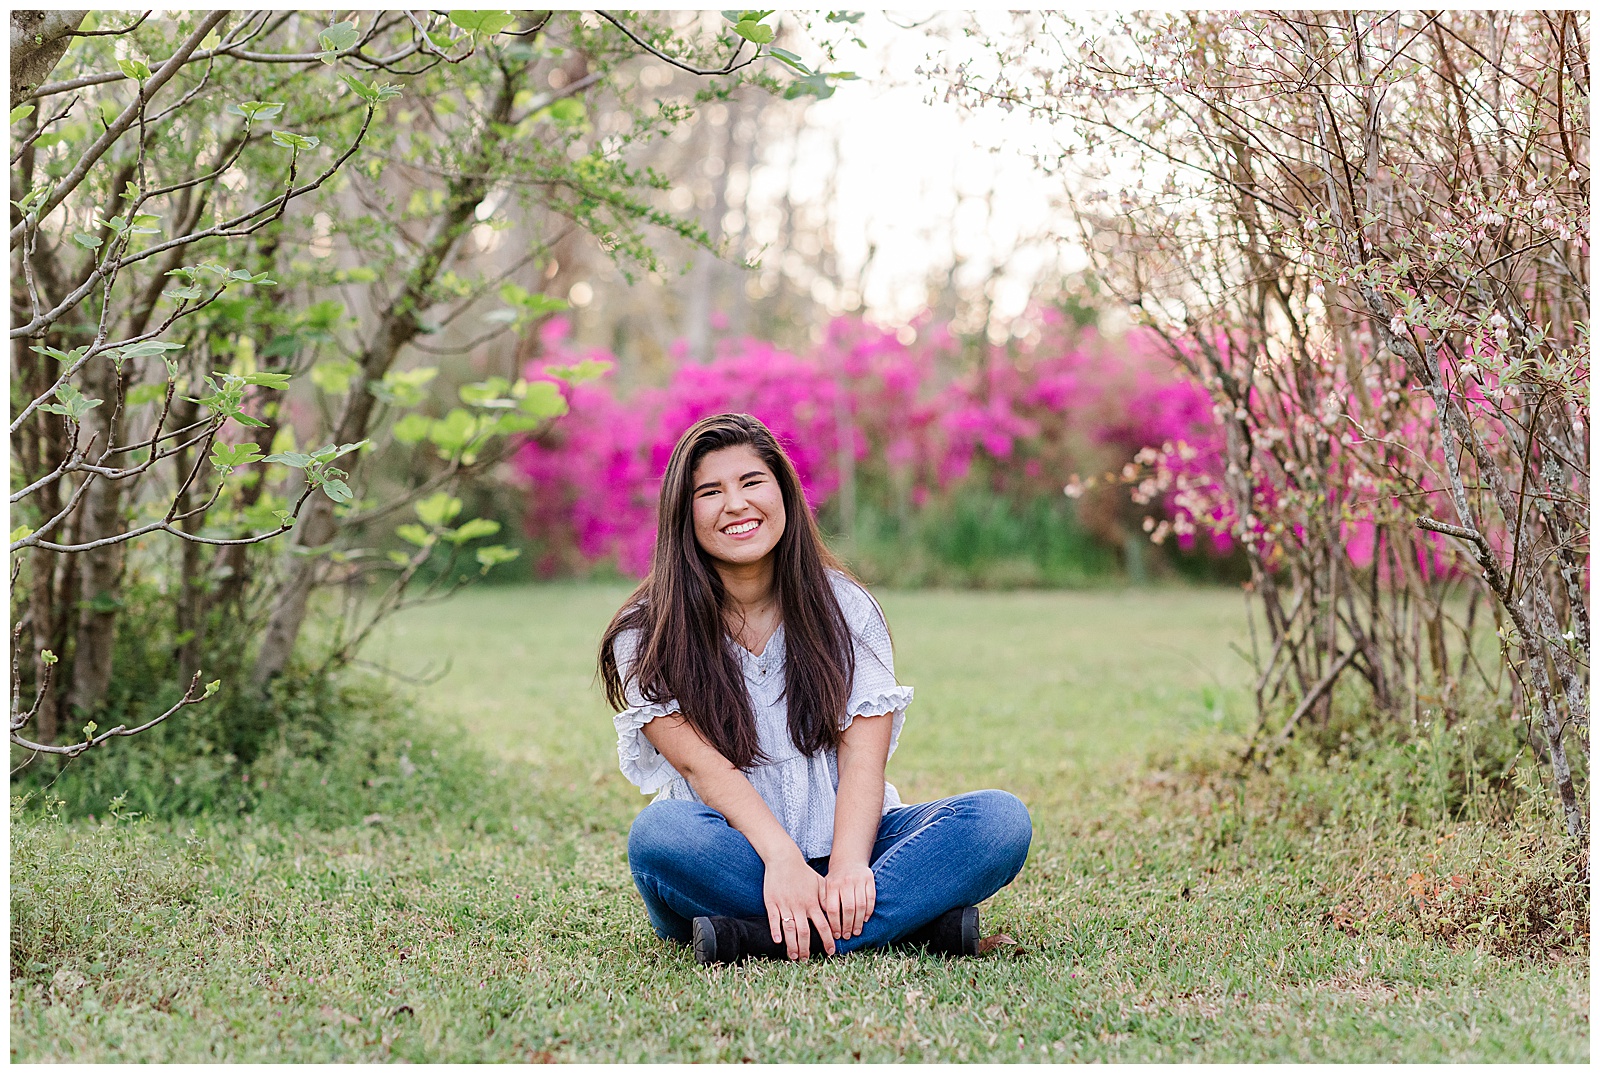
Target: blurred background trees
x,y
1279,288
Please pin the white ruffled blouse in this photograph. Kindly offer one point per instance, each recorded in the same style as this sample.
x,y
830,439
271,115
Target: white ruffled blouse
x,y
800,790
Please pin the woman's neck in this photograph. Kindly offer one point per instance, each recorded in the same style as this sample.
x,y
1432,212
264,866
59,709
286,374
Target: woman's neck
x,y
748,585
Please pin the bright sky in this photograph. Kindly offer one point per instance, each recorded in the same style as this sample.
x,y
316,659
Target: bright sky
x,y
912,175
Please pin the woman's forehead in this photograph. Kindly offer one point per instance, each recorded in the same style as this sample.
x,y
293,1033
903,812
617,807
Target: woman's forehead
x,y
729,461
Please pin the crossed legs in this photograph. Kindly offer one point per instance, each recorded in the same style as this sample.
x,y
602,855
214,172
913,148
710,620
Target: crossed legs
x,y
928,858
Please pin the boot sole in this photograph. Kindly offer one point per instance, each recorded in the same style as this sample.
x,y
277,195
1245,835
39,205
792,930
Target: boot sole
x,y
969,932
705,942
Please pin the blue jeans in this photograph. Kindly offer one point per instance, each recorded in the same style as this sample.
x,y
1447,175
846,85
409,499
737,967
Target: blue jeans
x,y
930,858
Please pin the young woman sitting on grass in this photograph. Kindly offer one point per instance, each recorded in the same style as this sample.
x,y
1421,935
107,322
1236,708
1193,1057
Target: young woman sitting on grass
x,y
755,680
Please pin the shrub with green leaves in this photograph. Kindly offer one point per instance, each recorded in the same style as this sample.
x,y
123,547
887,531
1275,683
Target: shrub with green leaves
x,y
233,235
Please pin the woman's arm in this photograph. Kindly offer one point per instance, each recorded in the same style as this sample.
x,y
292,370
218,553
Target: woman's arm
x,y
792,890
850,893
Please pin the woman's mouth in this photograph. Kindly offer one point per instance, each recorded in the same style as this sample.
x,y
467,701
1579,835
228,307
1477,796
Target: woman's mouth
x,y
740,529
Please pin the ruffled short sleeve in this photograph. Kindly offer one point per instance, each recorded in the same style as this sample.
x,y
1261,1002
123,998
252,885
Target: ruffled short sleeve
x,y
874,690
642,764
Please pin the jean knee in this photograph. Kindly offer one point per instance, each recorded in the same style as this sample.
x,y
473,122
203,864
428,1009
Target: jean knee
x,y
1008,825
661,833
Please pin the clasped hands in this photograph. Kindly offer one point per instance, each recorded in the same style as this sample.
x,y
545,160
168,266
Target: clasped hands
x,y
837,905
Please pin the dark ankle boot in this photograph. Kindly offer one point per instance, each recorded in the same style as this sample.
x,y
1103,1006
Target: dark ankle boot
x,y
952,934
724,940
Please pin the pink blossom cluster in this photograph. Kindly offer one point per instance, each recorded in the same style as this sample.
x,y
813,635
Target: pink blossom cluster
x,y
1058,402
1322,446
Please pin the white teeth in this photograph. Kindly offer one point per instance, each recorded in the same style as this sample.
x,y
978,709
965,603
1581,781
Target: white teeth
x,y
743,527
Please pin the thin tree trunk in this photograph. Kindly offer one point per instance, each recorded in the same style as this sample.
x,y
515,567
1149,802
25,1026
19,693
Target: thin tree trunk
x,y
399,324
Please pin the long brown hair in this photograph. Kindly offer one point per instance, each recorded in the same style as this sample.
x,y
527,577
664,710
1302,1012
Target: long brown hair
x,y
684,652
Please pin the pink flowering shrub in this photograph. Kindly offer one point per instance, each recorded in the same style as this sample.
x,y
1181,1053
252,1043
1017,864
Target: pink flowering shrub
x,y
1063,402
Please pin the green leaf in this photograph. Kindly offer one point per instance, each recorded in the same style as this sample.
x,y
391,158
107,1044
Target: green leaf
x,y
338,37
226,456
844,16
276,381
400,559
64,357
290,140
543,400
414,533
586,370
83,238
297,459
754,31
212,687
454,431
411,428
48,657
486,391
567,111
20,532
789,58
136,69
255,110
437,510
474,528
482,22
21,112
515,421
490,555
89,729
364,91
337,490
330,452
402,388
73,405
147,348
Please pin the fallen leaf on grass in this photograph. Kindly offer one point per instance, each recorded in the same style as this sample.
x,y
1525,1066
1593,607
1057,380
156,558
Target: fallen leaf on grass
x,y
999,939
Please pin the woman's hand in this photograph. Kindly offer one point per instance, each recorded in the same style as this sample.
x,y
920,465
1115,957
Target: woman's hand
x,y
792,891
849,895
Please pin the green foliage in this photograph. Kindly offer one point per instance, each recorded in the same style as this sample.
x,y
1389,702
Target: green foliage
x,y
979,539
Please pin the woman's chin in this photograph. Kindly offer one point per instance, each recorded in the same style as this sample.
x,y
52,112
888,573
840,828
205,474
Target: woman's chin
x,y
743,556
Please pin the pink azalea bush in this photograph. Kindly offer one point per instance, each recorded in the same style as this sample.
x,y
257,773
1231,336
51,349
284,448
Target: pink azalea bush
x,y
1063,401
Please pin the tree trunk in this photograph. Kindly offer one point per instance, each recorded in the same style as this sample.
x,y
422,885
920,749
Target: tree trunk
x,y
101,568
38,41
399,325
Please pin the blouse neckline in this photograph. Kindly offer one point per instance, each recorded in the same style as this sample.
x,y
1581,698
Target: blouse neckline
x,y
769,652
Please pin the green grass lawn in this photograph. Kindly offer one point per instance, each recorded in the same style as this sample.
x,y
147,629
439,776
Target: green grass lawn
x,y
1158,918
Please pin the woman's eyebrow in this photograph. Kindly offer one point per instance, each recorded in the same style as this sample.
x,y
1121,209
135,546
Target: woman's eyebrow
x,y
718,484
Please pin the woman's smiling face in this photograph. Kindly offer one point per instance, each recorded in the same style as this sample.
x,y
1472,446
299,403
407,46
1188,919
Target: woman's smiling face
x,y
738,506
